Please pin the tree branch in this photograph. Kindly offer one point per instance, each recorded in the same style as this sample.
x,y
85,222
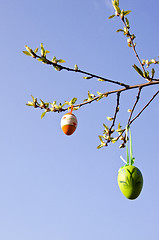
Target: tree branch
x,y
79,71
133,45
91,97
98,97
119,90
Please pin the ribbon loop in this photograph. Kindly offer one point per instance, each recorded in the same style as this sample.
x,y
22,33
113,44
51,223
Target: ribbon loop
x,y
131,159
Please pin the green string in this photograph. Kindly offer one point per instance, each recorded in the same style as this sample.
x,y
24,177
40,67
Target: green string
x,y
132,159
127,145
131,154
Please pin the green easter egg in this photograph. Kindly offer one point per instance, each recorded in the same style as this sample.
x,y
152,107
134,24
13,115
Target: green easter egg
x,y
130,181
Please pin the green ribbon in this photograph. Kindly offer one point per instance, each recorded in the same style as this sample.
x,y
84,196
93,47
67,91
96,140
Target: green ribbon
x,y
132,159
127,151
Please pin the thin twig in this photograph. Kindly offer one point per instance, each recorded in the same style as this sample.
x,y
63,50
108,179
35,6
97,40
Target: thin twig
x,y
114,118
137,99
143,108
138,114
116,111
133,46
83,72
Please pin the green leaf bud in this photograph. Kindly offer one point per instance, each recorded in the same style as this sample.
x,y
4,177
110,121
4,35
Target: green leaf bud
x,y
76,67
110,118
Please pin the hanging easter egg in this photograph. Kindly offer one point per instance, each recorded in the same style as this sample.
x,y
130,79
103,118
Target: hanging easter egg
x,y
69,123
130,181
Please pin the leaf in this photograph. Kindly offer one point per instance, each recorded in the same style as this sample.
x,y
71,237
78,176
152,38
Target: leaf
x,y
119,131
100,138
90,95
73,101
152,61
66,102
110,118
143,61
138,70
58,68
152,72
117,2
122,146
26,53
46,105
111,16
28,48
42,101
29,104
87,77
100,146
76,67
106,127
127,22
117,9
120,30
42,104
114,140
113,2
146,74
127,12
42,50
126,30
32,97
132,161
35,51
46,51
101,80
76,108
101,96
59,106
61,61
43,115
54,60
133,37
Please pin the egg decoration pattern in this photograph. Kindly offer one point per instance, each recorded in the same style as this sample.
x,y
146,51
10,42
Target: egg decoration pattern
x,y
69,123
130,179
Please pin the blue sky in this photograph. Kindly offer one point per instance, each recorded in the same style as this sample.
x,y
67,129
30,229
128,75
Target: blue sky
x,y
58,187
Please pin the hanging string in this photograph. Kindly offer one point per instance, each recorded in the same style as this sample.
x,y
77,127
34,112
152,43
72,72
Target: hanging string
x,y
127,145
132,159
71,109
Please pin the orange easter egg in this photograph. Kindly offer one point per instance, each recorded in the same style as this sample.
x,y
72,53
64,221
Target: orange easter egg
x,y
69,123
